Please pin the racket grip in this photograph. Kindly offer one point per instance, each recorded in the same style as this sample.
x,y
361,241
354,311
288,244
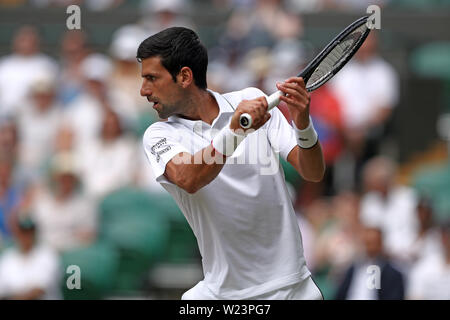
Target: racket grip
x,y
245,120
274,99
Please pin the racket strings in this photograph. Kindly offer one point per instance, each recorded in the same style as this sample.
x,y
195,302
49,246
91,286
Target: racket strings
x,y
336,56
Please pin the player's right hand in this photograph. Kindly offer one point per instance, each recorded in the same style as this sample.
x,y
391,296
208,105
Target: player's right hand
x,y
257,108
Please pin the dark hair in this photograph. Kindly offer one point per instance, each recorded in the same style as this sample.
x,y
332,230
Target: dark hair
x,y
177,47
26,224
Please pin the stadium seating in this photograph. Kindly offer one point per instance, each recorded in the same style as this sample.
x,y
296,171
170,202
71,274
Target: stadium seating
x,y
432,60
133,223
434,182
147,229
98,264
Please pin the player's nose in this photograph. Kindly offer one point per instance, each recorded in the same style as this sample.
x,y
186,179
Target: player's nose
x,y
145,90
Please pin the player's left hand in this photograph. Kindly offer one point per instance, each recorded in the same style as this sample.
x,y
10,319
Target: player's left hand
x,y
297,99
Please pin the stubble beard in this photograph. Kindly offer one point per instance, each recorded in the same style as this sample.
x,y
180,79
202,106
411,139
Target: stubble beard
x,y
164,110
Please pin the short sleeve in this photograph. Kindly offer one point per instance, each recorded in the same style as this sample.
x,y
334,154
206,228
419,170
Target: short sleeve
x,y
280,133
161,144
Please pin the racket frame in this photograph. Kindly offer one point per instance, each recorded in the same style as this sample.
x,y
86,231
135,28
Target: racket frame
x,y
273,100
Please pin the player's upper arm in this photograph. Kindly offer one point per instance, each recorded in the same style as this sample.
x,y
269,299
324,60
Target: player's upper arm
x,y
161,145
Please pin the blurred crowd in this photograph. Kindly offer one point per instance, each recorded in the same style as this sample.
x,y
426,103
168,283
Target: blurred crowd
x,y
71,127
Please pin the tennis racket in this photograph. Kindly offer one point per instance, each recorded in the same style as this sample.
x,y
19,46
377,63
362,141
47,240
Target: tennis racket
x,y
326,64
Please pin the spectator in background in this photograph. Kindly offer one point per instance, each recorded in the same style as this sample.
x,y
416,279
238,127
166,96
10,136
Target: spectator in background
x,y
427,242
66,218
85,114
354,285
37,121
337,244
288,54
326,111
29,271
9,139
229,71
13,185
10,196
368,90
336,240
125,77
252,52
109,162
164,14
253,26
19,69
390,206
315,219
73,51
430,279
64,141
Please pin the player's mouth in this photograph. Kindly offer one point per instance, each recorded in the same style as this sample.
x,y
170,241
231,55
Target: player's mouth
x,y
155,103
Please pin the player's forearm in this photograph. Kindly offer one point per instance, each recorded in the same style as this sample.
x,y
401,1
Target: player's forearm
x,y
312,163
195,172
309,163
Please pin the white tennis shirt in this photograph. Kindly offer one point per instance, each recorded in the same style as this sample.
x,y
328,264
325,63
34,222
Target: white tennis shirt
x,y
243,220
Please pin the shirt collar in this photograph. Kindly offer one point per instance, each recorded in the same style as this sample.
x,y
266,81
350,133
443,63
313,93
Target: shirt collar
x,y
224,108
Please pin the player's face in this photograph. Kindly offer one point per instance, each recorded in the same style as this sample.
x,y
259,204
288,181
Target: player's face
x,y
159,87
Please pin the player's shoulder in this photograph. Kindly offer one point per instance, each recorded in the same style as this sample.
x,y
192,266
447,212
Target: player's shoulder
x,y
160,128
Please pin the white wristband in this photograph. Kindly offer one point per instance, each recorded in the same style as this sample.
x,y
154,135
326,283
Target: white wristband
x,y
306,138
226,141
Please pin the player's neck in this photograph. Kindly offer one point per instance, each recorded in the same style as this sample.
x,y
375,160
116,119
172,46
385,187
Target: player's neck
x,y
201,105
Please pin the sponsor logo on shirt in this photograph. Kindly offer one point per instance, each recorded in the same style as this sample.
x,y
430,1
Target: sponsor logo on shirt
x,y
160,148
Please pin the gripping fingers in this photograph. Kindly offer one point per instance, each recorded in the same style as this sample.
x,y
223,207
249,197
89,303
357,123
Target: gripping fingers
x,y
256,109
290,89
298,80
295,93
293,89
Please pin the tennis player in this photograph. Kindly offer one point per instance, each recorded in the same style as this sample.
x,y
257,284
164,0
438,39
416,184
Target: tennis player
x,y
240,212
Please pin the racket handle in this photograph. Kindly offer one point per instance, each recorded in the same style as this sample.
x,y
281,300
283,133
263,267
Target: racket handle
x,y
245,120
274,99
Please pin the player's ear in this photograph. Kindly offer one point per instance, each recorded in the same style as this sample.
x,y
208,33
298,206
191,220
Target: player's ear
x,y
185,77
